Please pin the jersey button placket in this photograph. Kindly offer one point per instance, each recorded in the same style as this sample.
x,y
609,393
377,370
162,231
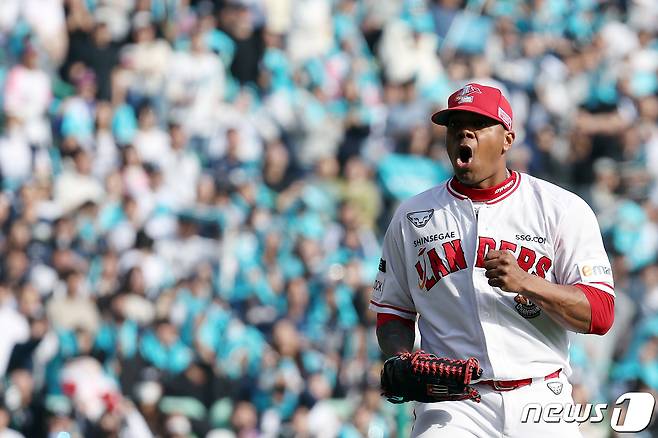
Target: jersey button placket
x,y
486,300
496,325
479,281
475,297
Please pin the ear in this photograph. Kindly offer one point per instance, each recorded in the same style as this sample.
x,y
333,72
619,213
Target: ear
x,y
508,140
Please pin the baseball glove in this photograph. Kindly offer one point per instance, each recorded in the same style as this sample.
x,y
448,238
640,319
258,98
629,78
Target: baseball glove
x,y
427,378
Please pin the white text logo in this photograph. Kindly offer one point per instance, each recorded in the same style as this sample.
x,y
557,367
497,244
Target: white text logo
x,y
637,415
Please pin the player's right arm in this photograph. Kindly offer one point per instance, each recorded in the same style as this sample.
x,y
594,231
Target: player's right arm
x,y
394,334
391,298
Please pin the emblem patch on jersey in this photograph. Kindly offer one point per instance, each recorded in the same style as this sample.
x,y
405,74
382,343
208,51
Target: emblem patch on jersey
x,y
594,270
526,308
382,266
377,289
555,387
420,218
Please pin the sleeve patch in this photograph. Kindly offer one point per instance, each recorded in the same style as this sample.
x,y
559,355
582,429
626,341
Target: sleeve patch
x,y
377,289
382,265
593,271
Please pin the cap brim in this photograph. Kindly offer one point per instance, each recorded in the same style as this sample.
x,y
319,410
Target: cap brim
x,y
441,117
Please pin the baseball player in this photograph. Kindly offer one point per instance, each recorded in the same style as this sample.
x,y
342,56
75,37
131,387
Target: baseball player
x,y
493,265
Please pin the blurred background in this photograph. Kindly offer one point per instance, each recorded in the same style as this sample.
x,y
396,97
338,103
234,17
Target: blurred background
x,y
193,196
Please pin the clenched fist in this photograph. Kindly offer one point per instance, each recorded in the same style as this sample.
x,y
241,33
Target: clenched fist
x,y
503,271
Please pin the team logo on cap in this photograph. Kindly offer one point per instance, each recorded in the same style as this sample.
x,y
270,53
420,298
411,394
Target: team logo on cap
x,y
526,308
465,94
420,218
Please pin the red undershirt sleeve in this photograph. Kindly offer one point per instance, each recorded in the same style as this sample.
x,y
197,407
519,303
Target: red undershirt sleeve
x,y
602,305
383,318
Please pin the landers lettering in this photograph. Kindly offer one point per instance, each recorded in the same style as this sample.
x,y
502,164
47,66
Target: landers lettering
x,y
529,260
453,261
434,238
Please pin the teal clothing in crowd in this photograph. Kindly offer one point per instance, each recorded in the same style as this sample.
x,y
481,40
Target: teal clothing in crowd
x,y
174,358
403,176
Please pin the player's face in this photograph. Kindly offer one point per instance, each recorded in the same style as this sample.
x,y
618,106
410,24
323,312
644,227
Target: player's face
x,y
476,147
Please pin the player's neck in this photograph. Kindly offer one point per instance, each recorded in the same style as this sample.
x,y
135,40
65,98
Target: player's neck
x,y
494,181
486,192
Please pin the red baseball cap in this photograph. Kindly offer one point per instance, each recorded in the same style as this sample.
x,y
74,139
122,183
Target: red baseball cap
x,y
480,99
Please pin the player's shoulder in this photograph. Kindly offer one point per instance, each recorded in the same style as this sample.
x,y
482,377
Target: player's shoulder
x,y
553,193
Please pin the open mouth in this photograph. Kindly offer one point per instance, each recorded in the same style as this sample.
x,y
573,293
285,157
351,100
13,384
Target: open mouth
x,y
464,155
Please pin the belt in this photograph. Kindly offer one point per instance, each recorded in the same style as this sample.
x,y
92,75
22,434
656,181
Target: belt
x,y
509,385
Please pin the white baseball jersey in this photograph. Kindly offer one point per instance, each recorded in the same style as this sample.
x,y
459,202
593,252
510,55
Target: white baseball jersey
x,y
432,268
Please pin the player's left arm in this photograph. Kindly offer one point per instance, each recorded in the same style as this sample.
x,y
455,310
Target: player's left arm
x,y
568,305
582,299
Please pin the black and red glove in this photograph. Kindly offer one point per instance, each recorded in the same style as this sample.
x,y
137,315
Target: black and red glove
x,y
424,377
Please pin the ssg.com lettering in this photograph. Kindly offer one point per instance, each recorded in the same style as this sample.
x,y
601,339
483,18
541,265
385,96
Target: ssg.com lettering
x,y
529,238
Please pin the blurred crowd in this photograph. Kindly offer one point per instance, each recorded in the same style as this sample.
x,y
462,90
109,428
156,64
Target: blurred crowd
x,y
193,195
